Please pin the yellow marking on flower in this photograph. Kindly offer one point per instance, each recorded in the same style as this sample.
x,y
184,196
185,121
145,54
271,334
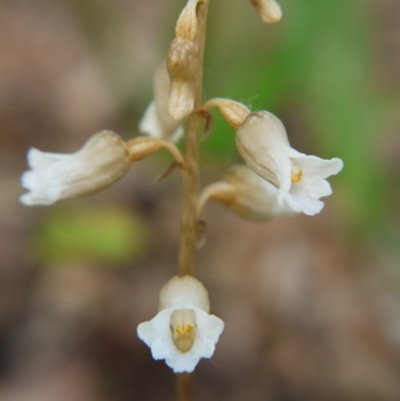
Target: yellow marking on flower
x,y
296,175
182,330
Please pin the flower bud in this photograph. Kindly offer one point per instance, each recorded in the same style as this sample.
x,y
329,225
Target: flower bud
x,y
269,10
157,121
103,160
186,26
183,64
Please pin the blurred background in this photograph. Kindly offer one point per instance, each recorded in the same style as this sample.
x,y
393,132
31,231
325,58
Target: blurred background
x,y
311,305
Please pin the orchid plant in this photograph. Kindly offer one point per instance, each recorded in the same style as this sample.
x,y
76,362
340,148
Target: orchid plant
x,y
275,180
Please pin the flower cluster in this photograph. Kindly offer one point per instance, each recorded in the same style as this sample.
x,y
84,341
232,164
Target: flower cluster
x,y
299,180
275,179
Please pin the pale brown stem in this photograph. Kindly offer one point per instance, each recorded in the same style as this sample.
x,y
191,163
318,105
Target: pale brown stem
x,y
219,191
233,112
142,146
184,387
191,166
190,173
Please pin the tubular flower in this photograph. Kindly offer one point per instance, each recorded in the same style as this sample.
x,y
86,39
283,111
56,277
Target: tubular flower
x,y
157,121
183,331
246,194
301,179
102,161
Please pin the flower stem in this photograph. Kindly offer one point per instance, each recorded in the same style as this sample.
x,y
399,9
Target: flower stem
x,y
190,173
191,166
184,387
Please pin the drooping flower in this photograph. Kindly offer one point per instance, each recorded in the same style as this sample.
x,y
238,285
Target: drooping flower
x,y
102,160
246,194
183,331
301,179
157,121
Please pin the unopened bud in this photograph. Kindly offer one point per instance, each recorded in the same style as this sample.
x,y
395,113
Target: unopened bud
x,y
183,63
269,10
186,26
233,112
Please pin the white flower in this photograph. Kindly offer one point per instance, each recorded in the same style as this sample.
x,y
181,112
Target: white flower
x,y
102,160
156,121
301,180
246,194
183,331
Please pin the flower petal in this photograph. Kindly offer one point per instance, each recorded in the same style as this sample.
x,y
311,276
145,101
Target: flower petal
x,y
158,327
262,142
184,293
209,326
315,186
166,128
314,165
40,160
300,201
